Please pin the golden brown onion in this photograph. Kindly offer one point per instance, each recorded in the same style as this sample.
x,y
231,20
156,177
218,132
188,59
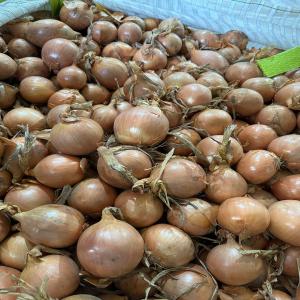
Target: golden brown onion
x,y
291,255
151,23
287,187
72,77
54,115
262,196
8,279
82,297
287,95
236,37
96,93
129,33
65,96
280,295
119,50
5,182
207,39
212,79
241,71
171,42
19,48
230,52
104,32
7,95
173,113
178,79
8,66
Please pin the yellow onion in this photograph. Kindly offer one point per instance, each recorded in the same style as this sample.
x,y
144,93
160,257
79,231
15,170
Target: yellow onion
x,y
287,187
4,226
104,32
65,96
7,95
96,93
8,66
19,48
8,278
178,80
262,196
71,77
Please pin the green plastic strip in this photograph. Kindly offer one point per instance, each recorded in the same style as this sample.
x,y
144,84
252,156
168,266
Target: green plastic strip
x,y
280,63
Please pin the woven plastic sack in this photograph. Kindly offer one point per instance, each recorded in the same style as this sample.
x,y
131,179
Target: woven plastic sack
x,y
267,22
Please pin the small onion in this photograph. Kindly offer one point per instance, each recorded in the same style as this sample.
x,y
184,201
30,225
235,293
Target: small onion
x,y
17,29
241,71
280,295
82,297
212,79
31,66
54,115
8,66
105,116
230,266
212,121
110,248
243,216
119,50
127,158
5,182
175,25
244,101
224,183
24,116
141,125
3,46
230,52
58,170
171,42
207,39
139,209
178,79
287,187
4,226
196,217
29,195
57,270
256,136
291,254
71,77
14,250
51,225
285,96
37,89
88,45
209,58
59,53
113,297
262,196
96,93
237,38
173,113
91,196
168,245
151,23
129,33
104,32
7,95
8,279
19,48
285,221
65,96
298,120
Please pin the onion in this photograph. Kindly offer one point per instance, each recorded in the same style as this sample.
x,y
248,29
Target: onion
x,y
178,79
110,248
230,266
209,58
287,148
77,14
5,182
210,148
8,67
151,23
285,221
57,270
137,20
262,196
87,45
173,113
256,136
291,254
194,94
230,52
287,187
72,77
104,32
141,125
212,79
244,102
280,295
150,58
110,72
171,42
237,38
8,279
280,118
51,225
37,89
82,297
91,196
207,39
14,250
54,115
19,48
174,60
29,195
41,31
298,120
4,226
243,216
119,50
196,217
59,53
129,33
258,166
287,95
127,158
65,96
3,46
173,141
263,85
241,71
58,170
139,209
7,95
174,24
168,246
224,183
31,66
212,121
96,93
113,297
24,116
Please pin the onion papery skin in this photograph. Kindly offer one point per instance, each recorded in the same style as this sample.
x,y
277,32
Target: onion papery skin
x,y
236,37
286,94
149,128
8,278
243,216
168,245
51,225
110,248
65,96
79,137
7,95
91,196
14,250
59,271
287,187
206,38
262,196
58,170
119,50
192,284
224,183
139,209
128,159
173,113
228,265
197,217
285,221
4,226
96,93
